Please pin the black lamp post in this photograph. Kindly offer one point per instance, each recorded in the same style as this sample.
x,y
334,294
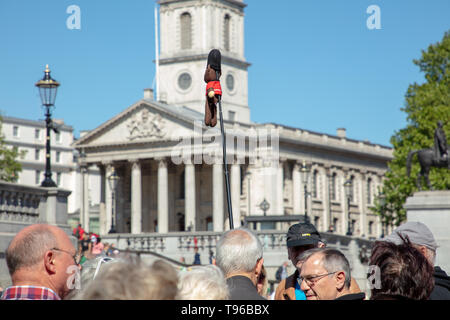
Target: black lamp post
x,y
264,206
47,90
304,170
348,185
113,180
382,199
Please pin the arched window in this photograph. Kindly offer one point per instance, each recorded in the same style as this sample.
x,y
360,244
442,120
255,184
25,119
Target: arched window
x,y
352,189
227,31
369,189
314,184
186,31
333,186
182,191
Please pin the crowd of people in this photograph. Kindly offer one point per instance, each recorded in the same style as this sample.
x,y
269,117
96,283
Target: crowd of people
x,y
44,264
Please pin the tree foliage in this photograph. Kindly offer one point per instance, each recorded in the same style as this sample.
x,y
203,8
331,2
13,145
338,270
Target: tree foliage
x,y
425,104
9,166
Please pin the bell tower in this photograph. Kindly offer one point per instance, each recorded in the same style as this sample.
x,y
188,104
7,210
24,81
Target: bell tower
x,y
189,29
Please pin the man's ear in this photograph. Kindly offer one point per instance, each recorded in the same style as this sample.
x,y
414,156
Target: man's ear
x,y
259,266
321,245
340,280
49,262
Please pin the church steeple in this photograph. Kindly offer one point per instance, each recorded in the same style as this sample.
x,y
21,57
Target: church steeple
x,y
189,29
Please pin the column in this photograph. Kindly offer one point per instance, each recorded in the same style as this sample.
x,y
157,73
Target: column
x,y
163,198
296,189
102,217
108,199
344,201
218,196
81,195
136,198
189,202
279,190
326,200
86,198
236,193
362,204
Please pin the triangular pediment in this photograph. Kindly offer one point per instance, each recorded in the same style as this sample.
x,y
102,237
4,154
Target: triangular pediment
x,y
144,121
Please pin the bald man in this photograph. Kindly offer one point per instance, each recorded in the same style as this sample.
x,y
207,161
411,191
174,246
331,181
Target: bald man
x,y
40,259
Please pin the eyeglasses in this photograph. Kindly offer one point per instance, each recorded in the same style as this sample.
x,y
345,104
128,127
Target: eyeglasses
x,y
99,263
74,257
311,280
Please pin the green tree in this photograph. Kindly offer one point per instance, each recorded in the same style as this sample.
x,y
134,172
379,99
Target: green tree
x,y
9,166
425,104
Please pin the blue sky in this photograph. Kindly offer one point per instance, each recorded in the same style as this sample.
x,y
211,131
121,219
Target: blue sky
x,y
315,64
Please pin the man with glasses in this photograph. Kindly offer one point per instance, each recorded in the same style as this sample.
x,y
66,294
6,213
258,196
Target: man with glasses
x,y
325,275
300,237
42,262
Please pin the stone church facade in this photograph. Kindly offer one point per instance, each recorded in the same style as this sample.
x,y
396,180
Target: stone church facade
x,y
170,166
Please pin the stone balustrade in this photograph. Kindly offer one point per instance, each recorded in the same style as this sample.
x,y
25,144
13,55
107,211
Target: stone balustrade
x,y
21,206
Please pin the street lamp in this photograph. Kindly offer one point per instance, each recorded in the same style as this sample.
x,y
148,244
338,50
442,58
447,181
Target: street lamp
x,y
264,206
382,199
113,180
348,185
304,170
47,90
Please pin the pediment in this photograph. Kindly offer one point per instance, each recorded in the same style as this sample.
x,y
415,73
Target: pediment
x,y
142,122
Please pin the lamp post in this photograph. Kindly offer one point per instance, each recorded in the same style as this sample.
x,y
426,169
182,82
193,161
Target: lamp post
x,y
113,180
382,199
348,185
304,170
264,206
47,90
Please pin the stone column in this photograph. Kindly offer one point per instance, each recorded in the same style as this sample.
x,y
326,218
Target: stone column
x,y
363,205
236,194
296,189
86,198
81,194
108,199
218,196
136,198
279,189
189,203
102,217
163,197
327,222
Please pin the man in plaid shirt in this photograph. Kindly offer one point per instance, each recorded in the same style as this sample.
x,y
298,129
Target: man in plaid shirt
x,y
42,261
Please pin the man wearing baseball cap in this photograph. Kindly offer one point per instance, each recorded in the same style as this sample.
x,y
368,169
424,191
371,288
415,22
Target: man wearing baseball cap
x,y
300,237
422,238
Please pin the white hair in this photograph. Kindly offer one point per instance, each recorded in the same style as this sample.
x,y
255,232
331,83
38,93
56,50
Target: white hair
x,y
238,250
202,283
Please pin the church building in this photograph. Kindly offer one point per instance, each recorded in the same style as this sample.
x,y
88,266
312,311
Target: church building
x,y
169,165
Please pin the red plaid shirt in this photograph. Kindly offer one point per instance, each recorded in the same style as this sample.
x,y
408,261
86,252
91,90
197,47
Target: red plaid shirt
x,y
29,293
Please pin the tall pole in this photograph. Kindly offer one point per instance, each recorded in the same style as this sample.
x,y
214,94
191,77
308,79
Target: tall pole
x,y
306,204
349,232
227,180
48,182
157,52
113,215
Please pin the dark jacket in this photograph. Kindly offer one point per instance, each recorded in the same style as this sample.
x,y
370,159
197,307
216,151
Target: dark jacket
x,y
441,289
242,288
352,296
